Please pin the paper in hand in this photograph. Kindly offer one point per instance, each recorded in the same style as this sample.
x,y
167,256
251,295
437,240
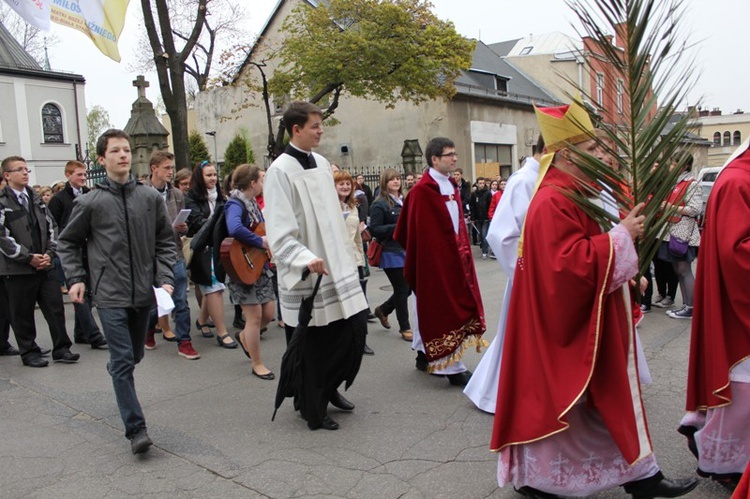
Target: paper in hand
x,y
181,217
164,302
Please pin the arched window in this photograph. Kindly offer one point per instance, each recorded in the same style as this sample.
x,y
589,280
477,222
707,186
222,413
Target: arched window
x,y
727,139
736,138
52,125
717,138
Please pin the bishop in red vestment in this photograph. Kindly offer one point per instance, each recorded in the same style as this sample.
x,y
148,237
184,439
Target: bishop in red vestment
x,y
572,421
439,268
718,391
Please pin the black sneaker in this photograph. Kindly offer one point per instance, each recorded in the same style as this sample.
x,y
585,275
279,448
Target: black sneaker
x,y
140,442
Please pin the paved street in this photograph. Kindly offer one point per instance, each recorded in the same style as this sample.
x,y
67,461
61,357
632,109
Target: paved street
x,y
411,436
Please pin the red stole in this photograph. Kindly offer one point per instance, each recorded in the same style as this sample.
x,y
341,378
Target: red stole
x,y
720,335
439,268
565,336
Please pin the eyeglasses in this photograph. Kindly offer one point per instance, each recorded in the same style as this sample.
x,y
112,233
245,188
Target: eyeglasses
x,y
450,154
20,169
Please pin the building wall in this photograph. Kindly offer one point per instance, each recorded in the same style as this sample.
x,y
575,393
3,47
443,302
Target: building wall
x,y
553,75
21,123
707,126
371,135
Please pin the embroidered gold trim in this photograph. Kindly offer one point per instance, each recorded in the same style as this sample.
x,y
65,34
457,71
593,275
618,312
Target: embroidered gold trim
x,y
716,392
457,342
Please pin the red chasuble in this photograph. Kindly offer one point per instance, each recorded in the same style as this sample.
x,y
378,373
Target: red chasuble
x,y
721,317
566,337
439,268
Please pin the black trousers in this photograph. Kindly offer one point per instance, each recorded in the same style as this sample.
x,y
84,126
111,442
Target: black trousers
x,y
4,319
24,292
398,301
666,278
330,355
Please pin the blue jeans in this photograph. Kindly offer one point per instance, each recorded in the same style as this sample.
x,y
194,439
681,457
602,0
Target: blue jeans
x,y
483,226
181,308
125,332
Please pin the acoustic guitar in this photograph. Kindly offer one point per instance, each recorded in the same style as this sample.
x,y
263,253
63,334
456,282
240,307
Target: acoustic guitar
x,y
243,263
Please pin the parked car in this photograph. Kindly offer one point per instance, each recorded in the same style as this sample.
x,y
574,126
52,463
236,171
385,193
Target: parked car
x,y
706,178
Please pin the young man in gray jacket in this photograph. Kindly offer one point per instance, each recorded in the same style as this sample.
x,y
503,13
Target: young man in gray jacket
x,y
127,233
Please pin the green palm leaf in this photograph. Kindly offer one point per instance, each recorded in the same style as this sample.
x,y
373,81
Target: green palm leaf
x,y
650,62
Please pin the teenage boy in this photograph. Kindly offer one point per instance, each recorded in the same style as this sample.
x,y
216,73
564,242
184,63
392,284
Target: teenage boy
x,y
85,331
27,250
125,230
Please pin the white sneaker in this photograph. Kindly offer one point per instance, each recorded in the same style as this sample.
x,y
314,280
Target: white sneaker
x,y
665,303
484,256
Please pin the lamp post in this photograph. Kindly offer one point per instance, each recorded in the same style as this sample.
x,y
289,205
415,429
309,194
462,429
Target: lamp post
x,y
216,153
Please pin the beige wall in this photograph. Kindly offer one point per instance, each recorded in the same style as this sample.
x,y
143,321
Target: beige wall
x,y
553,76
373,134
708,125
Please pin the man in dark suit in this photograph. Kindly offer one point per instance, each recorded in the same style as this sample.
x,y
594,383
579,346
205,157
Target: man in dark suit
x,y
85,331
27,248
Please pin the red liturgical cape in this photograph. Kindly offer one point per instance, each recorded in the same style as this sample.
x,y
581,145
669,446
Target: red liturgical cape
x,y
721,317
566,336
439,268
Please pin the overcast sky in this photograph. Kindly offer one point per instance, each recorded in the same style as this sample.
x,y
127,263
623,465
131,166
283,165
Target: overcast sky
x,y
718,28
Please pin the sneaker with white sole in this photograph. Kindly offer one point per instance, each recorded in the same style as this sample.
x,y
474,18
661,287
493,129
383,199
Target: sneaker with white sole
x,y
683,313
185,349
150,340
665,303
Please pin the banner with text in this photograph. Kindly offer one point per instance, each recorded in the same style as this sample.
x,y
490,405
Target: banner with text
x,y
34,12
100,20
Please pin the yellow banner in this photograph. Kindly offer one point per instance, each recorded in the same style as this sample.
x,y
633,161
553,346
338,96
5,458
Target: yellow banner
x,y
100,20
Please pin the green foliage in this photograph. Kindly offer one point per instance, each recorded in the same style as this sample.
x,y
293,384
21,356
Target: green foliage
x,y
97,121
238,152
651,64
385,50
198,149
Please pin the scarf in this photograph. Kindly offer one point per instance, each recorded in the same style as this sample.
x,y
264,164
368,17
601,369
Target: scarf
x,y
213,194
251,205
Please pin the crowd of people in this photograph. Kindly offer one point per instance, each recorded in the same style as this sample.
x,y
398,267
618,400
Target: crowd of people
x,y
305,230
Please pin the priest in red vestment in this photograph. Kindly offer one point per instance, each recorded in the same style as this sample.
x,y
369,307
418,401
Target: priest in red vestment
x,y
439,268
718,391
572,421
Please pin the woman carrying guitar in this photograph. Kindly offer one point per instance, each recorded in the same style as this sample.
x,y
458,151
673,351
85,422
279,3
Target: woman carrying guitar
x,y
257,300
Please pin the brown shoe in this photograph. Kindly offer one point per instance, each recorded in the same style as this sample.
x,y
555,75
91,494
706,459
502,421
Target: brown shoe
x,y
382,318
407,335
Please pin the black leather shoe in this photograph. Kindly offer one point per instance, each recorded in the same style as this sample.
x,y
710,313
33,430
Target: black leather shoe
x,y
36,362
421,363
536,494
326,424
338,401
368,350
81,341
140,442
459,379
667,488
44,351
100,345
9,351
67,357
371,317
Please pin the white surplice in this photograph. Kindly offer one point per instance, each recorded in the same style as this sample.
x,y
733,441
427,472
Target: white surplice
x,y
503,236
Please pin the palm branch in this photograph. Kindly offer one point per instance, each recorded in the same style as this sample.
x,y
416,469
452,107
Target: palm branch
x,y
651,63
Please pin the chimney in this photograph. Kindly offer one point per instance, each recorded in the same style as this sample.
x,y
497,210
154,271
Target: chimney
x,y
715,112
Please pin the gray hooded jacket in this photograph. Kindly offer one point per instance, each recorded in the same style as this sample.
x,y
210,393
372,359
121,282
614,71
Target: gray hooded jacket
x,y
130,243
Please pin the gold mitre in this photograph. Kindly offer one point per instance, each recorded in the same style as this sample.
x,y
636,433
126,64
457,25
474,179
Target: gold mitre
x,y
563,126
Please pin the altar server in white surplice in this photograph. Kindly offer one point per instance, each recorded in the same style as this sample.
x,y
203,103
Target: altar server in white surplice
x,y
503,236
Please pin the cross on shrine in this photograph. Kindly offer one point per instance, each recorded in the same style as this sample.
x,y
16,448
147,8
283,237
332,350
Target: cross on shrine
x,y
142,84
